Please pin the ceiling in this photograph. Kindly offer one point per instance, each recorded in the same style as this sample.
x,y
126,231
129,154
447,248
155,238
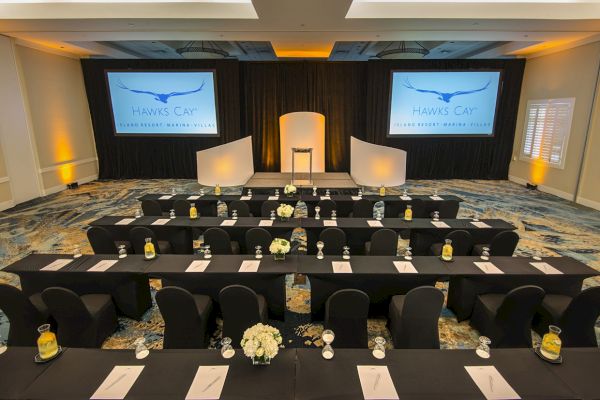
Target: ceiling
x,y
337,30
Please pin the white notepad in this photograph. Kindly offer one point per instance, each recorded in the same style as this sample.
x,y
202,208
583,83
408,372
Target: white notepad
x,y
208,383
405,267
118,383
328,222
57,264
265,222
546,268
406,198
193,197
480,224
376,382
375,224
341,267
125,221
249,266
161,221
436,198
355,198
197,266
246,198
165,197
325,197
228,222
440,224
273,197
102,265
488,267
491,383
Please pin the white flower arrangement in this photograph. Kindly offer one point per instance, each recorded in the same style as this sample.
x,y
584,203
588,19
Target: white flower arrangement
x,y
289,189
261,341
279,246
285,210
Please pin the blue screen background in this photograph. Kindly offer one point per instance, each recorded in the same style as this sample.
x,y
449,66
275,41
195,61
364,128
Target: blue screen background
x,y
443,103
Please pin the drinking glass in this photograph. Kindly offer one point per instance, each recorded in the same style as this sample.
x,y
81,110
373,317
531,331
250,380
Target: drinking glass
x,y
234,214
141,351
378,216
404,193
408,254
379,349
172,214
3,347
435,192
138,213
333,215
483,350
227,350
485,253
346,253
76,252
272,215
320,246
537,255
327,352
173,192
436,215
317,210
207,253
249,192
277,192
327,193
122,251
202,192
258,254
328,336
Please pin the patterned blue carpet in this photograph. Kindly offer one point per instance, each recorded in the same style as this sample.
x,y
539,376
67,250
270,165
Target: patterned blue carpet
x,y
57,223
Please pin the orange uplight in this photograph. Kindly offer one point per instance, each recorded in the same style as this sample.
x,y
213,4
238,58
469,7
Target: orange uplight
x,y
381,168
63,151
224,168
541,47
302,50
538,171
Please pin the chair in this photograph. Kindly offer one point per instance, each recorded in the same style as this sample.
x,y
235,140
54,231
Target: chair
x,y
267,206
334,240
138,235
241,308
258,237
503,244
346,315
102,241
462,244
506,319
448,209
242,208
182,208
575,316
413,318
186,318
220,242
25,315
384,242
327,206
362,208
83,321
418,209
151,208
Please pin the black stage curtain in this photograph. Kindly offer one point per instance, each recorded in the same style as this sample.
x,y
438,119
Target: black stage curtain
x,y
353,96
448,158
157,157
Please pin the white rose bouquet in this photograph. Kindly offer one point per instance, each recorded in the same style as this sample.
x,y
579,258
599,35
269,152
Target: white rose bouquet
x,y
261,343
285,211
279,248
289,189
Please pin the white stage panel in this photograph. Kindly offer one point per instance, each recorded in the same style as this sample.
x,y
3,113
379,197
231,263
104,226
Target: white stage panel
x,y
375,165
302,129
230,164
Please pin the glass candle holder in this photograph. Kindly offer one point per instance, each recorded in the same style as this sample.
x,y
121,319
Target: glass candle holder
x,y
207,252
141,351
258,253
379,349
234,214
485,254
172,214
317,210
272,217
320,246
483,349
227,350
346,253
436,215
408,254
122,251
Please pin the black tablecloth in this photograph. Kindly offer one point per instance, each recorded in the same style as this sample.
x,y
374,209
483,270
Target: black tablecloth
x,y
223,271
427,374
467,281
207,204
125,281
167,375
18,371
579,371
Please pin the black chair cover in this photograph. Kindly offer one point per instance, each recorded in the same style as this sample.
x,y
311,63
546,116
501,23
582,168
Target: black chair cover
x,y
503,244
334,239
101,240
258,237
327,206
151,208
25,315
462,244
242,208
182,208
241,308
384,242
267,206
362,208
346,315
220,242
138,235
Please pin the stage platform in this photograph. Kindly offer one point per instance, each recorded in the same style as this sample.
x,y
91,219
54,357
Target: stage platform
x,y
336,182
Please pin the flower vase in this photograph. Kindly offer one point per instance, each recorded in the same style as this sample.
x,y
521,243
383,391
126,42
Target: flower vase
x,y
284,219
279,256
264,360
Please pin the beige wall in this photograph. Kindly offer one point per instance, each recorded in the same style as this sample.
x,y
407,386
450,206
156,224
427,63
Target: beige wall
x,y
571,73
589,187
5,195
59,117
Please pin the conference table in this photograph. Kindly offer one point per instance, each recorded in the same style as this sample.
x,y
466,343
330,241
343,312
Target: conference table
x,y
423,232
394,204
300,374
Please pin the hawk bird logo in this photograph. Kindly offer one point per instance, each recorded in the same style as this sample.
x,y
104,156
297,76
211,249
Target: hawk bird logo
x,y
162,97
445,97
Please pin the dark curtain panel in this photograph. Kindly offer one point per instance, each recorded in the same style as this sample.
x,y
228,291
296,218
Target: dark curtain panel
x,y
157,157
448,158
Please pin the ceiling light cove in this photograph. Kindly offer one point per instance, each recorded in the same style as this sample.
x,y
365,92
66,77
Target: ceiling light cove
x,y
302,50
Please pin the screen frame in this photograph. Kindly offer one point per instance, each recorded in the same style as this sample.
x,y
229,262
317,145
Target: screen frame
x,y
162,135
454,135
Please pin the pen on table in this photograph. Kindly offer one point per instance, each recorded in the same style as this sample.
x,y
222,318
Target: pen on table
x,y
116,381
376,381
212,383
491,383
